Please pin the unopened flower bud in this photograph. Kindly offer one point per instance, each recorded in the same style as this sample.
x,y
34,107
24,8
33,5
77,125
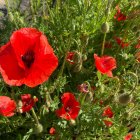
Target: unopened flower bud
x,y
105,27
38,128
124,98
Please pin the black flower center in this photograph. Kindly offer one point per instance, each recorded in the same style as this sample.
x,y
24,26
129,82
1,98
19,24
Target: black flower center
x,y
28,58
67,109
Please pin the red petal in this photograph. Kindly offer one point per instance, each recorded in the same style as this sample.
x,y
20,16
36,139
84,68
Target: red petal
x,y
27,102
41,70
9,67
69,102
24,40
70,57
42,47
128,136
7,106
67,96
108,112
108,123
25,97
44,65
105,64
109,74
74,111
62,113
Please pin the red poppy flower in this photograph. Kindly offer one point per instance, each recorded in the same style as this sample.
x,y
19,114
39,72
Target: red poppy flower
x,y
70,108
119,15
70,57
27,58
7,106
27,102
108,123
52,131
121,42
128,136
108,112
105,64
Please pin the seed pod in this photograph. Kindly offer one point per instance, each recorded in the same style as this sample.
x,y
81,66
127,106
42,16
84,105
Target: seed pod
x,y
124,98
38,128
105,27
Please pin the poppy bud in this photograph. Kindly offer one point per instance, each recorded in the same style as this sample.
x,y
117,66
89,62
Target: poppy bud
x,y
105,27
38,128
124,98
108,122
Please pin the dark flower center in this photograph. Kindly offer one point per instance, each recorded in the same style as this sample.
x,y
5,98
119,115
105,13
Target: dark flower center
x,y
67,109
28,58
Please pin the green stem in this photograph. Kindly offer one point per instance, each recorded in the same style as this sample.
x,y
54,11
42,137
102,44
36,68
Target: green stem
x,y
64,62
35,116
107,16
103,44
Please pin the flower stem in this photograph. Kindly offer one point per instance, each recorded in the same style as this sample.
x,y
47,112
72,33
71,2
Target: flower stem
x,y
63,65
35,116
103,44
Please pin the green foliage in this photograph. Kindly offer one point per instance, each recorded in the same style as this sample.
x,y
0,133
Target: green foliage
x,y
74,25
